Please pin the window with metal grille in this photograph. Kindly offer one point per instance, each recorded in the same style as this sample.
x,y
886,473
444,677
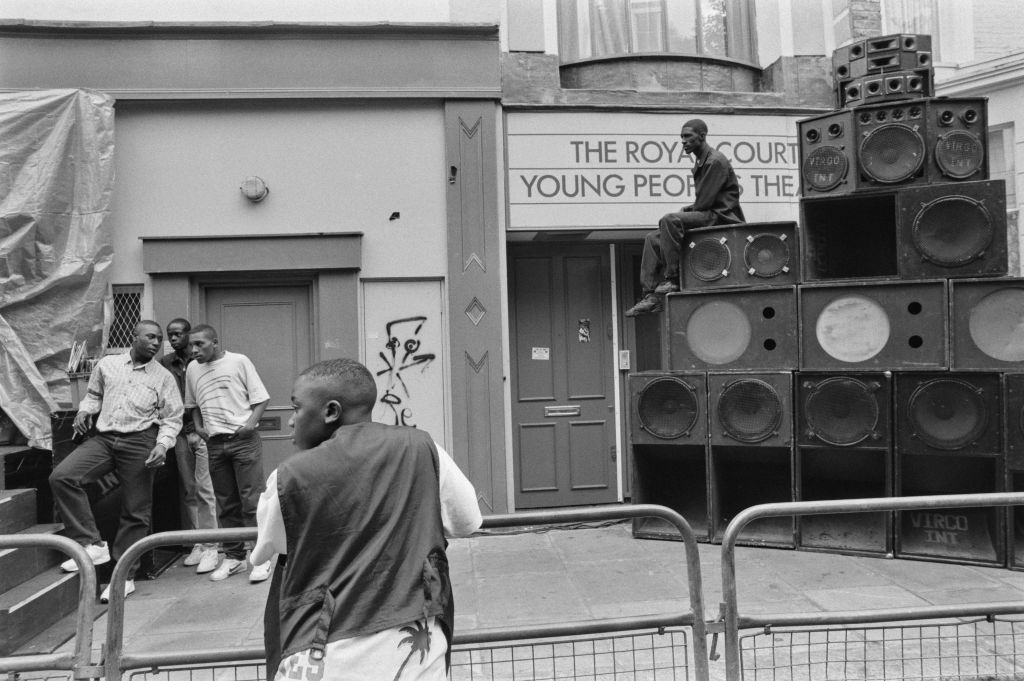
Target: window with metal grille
x,y
127,312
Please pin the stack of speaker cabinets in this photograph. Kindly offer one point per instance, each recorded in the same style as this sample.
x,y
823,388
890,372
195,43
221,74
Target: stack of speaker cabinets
x,y
868,352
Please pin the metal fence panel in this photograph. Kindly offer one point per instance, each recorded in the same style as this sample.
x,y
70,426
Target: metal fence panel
x,y
991,648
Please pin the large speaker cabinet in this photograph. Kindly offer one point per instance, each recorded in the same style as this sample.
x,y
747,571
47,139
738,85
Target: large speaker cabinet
x,y
1015,524
731,330
876,146
873,326
1014,422
844,437
987,324
961,535
751,453
748,254
920,232
949,413
669,434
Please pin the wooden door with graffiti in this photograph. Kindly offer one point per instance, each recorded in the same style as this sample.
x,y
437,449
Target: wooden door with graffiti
x,y
563,395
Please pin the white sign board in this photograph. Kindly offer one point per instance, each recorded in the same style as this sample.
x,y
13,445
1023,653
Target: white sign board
x,y
615,170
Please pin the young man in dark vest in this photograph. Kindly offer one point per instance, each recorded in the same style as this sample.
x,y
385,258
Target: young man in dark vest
x,y
359,519
716,201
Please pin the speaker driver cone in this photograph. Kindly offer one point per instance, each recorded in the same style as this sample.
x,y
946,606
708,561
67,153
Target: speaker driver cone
x,y
947,413
718,332
852,328
750,410
824,168
952,231
996,324
709,258
892,153
667,408
841,411
959,154
766,255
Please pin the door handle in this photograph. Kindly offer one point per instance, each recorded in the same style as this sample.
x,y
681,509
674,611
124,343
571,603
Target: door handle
x,y
564,410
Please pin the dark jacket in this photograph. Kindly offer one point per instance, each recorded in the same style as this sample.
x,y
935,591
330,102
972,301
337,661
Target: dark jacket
x,y
366,546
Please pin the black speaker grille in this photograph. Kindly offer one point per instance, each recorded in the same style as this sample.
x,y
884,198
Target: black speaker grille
x,y
841,411
750,410
891,153
709,258
824,168
766,255
959,154
947,413
668,408
953,230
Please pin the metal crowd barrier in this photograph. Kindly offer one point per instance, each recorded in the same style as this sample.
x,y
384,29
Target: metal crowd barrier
x,y
79,661
117,660
861,654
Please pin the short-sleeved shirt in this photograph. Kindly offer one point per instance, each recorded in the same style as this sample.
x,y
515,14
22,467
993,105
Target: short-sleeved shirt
x,y
225,390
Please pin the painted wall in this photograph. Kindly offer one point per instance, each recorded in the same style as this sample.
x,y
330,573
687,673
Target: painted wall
x,y
404,347
431,11
330,167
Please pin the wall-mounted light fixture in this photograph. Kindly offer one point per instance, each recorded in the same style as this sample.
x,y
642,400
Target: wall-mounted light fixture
x,y
254,188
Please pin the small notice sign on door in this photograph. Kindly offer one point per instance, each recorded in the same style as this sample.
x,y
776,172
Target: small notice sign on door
x,y
542,354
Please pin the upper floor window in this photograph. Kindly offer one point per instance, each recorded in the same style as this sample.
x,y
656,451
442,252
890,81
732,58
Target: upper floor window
x,y
592,29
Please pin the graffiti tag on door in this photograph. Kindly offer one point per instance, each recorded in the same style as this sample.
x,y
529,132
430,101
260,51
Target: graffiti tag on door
x,y
402,355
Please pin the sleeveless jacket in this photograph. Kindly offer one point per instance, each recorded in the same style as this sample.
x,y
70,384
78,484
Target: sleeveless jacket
x,y
366,546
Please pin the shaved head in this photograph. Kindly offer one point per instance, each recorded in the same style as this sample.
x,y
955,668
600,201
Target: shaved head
x,y
345,380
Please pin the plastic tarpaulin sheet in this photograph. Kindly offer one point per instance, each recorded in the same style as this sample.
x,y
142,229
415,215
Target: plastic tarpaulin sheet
x,y
56,181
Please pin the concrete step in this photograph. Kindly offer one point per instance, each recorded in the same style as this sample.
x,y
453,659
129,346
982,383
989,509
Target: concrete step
x,y
17,510
22,564
34,605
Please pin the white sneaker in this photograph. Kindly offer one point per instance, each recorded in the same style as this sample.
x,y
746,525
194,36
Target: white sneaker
x,y
129,589
194,557
227,567
260,572
98,552
207,561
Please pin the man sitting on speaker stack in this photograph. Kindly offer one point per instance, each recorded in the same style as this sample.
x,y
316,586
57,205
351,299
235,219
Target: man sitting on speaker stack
x,y
716,202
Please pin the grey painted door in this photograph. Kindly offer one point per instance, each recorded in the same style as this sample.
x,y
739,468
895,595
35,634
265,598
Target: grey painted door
x,y
563,402
272,326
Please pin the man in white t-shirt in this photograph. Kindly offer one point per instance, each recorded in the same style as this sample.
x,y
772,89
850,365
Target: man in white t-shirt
x,y
227,399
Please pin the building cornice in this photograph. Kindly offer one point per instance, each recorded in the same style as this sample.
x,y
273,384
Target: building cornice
x,y
983,76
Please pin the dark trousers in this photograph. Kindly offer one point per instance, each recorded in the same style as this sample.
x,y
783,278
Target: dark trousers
x,y
236,468
123,453
663,248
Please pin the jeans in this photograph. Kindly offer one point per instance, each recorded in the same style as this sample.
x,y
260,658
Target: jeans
x,y
663,248
123,453
236,468
197,487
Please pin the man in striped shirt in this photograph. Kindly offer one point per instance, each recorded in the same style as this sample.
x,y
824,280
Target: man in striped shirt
x,y
139,410
227,399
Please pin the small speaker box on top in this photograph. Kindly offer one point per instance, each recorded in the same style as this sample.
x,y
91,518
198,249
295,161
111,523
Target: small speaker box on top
x,y
748,254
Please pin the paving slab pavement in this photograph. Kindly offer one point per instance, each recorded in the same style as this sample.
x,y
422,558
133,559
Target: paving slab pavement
x,y
517,578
